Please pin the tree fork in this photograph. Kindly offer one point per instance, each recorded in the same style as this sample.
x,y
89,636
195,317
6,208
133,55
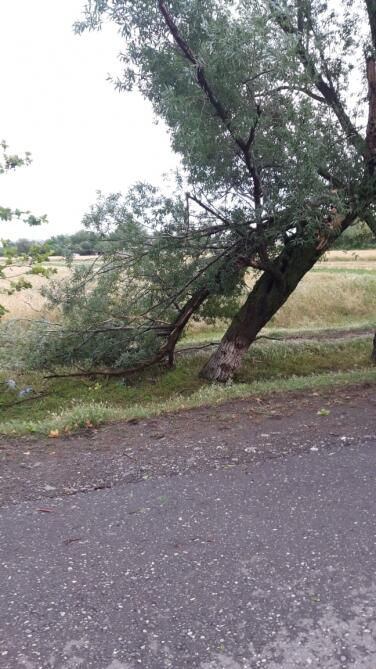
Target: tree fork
x,y
267,297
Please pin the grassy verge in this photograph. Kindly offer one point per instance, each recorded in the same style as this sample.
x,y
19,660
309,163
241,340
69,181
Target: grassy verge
x,y
88,415
65,405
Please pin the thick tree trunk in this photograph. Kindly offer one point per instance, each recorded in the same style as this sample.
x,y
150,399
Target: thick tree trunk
x,y
267,297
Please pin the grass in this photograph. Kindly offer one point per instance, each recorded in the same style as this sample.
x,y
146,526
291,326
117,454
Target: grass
x,y
345,270
93,414
329,298
68,404
326,298
332,296
204,335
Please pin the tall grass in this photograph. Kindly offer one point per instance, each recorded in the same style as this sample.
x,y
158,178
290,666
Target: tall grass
x,y
325,298
358,255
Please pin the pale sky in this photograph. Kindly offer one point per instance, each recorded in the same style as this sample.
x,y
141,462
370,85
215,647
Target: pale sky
x,y
56,103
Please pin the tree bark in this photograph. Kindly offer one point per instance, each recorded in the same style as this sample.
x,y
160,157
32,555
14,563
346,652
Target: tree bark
x,y
267,297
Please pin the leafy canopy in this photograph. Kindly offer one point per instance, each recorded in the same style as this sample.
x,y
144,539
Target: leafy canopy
x,y
266,104
8,163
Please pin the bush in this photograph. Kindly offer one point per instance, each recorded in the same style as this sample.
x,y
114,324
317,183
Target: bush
x,y
358,236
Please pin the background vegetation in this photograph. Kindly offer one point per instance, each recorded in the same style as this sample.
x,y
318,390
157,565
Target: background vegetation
x,y
88,243
337,299
277,167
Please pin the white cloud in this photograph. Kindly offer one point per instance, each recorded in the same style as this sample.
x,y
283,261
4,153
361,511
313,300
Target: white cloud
x,y
57,104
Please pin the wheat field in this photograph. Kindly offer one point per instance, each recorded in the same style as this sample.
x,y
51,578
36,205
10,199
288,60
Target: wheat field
x,y
340,290
28,303
360,259
330,299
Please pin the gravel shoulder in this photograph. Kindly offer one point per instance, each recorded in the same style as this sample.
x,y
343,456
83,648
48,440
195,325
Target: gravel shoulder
x,y
235,434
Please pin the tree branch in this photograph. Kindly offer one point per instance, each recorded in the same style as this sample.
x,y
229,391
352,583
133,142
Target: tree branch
x,y
209,210
301,89
327,90
371,126
371,10
220,110
332,180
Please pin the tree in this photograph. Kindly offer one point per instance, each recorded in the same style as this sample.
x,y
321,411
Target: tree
x,y
276,164
84,242
358,236
8,163
23,246
23,250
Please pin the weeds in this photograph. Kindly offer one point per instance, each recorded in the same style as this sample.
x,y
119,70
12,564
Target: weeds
x,y
270,366
92,414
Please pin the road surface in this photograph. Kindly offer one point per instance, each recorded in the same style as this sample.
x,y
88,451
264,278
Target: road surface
x,y
268,562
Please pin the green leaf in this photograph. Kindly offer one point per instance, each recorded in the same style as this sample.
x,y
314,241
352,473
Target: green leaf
x,y
323,412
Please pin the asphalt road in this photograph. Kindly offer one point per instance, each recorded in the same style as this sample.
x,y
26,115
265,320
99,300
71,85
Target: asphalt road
x,y
270,566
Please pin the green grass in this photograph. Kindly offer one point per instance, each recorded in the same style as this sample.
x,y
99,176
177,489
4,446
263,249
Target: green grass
x,y
68,404
93,414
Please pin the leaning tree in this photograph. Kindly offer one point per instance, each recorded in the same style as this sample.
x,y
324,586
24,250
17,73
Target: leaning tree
x,y
271,107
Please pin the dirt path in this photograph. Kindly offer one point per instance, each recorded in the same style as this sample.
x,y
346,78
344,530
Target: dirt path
x,y
323,337
328,335
237,433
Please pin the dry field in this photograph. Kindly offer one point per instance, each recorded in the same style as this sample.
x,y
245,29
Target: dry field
x,y
362,259
360,255
330,299
28,303
340,291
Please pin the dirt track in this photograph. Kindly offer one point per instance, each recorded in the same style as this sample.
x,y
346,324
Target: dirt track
x,y
323,337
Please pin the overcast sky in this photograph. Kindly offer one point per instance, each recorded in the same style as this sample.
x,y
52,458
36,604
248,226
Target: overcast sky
x,y
56,103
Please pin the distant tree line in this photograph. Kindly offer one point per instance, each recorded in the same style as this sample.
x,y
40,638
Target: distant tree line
x,y
83,243
89,243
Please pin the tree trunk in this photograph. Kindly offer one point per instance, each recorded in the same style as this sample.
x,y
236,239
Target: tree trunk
x,y
373,356
267,297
